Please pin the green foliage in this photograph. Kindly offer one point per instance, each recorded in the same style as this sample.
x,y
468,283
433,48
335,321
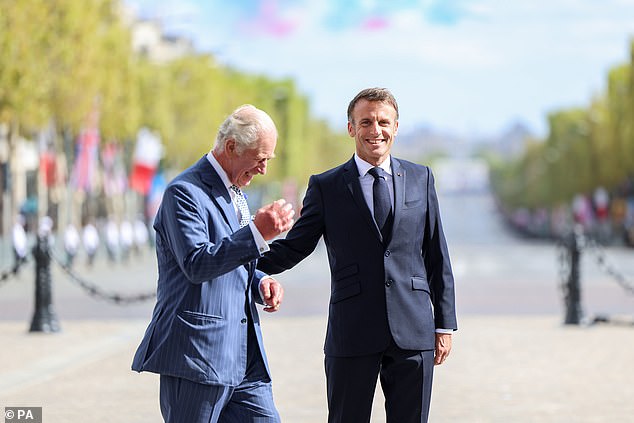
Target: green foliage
x,y
585,148
24,78
68,61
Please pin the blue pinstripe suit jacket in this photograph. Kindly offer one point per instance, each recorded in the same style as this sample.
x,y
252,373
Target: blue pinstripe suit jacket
x,y
207,284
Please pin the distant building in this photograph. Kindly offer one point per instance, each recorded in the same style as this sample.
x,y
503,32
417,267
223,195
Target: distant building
x,y
511,143
461,175
148,40
18,180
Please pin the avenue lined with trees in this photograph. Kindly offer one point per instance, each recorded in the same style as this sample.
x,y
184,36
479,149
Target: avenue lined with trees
x,y
67,65
583,171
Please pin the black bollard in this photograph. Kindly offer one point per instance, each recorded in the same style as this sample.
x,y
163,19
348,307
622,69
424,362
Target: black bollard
x,y
44,317
573,286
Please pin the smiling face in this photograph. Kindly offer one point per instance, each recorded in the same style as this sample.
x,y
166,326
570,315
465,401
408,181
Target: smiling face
x,y
373,126
242,166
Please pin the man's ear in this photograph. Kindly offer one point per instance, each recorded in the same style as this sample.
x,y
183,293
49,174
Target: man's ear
x,y
230,147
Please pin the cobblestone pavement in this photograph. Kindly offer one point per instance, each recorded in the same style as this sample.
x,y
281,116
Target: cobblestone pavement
x,y
503,369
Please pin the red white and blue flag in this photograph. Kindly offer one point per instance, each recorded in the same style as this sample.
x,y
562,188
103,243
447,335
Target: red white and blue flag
x,y
147,155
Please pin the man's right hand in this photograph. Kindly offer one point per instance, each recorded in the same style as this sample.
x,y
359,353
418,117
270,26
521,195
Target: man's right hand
x,y
274,219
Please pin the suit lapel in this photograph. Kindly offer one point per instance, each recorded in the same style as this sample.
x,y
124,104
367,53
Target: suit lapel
x,y
221,197
218,192
351,177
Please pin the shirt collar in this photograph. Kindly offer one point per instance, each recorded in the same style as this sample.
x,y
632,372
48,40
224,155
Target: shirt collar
x,y
363,166
221,172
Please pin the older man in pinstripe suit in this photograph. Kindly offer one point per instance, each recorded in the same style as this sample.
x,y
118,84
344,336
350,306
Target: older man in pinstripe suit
x,y
204,338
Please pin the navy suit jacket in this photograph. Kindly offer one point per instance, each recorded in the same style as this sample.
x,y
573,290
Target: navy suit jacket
x,y
401,289
207,284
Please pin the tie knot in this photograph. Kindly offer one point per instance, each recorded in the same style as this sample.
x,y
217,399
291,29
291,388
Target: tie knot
x,y
236,189
377,172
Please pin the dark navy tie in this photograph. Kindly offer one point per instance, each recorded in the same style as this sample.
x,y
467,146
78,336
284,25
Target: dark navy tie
x,y
243,207
382,202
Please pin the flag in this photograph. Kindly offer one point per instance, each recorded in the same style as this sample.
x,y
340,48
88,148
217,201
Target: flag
x,y
115,178
85,166
48,158
48,167
147,154
155,195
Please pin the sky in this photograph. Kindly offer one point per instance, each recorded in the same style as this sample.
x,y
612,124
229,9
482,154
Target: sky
x,y
469,67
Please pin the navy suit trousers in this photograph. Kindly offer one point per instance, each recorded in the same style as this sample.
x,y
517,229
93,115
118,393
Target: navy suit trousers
x,y
406,379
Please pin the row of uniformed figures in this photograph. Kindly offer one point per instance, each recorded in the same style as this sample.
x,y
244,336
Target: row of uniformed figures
x,y
120,239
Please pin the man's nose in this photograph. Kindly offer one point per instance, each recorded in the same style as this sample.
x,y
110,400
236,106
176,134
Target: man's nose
x,y
376,128
262,168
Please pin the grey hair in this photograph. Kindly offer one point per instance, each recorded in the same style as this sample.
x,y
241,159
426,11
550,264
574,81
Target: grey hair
x,y
244,126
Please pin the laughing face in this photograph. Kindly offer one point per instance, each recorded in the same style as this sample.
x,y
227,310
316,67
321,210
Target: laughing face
x,y
373,127
242,166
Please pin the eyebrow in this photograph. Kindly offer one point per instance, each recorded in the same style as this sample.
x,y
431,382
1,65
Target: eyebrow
x,y
263,157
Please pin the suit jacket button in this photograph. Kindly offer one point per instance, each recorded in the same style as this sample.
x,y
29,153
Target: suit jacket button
x,y
387,253
388,282
243,321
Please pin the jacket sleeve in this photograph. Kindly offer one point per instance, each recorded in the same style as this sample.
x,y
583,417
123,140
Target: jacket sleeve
x,y
188,233
255,286
437,262
303,237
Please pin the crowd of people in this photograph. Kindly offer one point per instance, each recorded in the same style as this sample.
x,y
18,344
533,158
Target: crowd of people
x,y
606,216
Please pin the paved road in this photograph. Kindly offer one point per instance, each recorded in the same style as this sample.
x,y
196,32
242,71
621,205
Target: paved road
x,y
513,360
496,273
520,369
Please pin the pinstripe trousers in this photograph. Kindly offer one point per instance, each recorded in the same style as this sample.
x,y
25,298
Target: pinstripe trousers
x,y
184,401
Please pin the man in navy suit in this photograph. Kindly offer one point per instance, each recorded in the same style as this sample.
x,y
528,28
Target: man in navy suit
x,y
204,338
392,296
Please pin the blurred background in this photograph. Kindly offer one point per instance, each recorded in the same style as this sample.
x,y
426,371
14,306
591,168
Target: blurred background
x,y
524,111
103,101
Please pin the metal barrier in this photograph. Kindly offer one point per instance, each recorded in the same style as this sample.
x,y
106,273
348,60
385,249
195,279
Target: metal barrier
x,y
95,291
602,261
570,257
570,252
12,272
44,315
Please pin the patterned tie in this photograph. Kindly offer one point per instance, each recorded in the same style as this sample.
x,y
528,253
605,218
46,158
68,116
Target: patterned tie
x,y
382,202
243,207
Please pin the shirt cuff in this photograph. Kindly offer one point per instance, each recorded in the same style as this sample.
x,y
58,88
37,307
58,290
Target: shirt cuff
x,y
444,331
260,242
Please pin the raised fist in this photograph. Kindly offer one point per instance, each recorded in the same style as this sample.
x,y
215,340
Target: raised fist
x,y
274,219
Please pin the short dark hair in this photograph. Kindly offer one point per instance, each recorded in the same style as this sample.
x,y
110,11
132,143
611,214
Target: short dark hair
x,y
373,94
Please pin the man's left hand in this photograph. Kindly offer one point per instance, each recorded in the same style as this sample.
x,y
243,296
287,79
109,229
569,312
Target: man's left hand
x,y
443,347
272,294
